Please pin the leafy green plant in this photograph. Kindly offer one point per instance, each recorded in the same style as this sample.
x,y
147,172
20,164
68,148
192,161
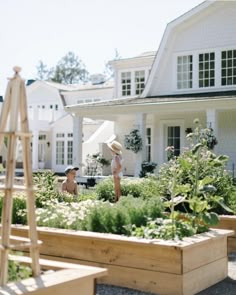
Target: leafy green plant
x,y
193,181
64,215
17,271
45,187
118,218
137,187
19,206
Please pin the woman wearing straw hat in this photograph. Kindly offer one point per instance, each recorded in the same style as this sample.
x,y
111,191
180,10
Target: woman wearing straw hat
x,y
116,166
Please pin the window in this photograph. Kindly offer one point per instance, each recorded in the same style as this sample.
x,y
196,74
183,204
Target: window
x,y
60,135
148,144
206,74
42,137
126,83
173,138
139,82
69,152
184,72
228,67
60,152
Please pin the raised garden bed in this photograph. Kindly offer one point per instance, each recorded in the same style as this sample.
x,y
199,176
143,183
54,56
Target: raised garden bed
x,y
59,282
190,265
229,222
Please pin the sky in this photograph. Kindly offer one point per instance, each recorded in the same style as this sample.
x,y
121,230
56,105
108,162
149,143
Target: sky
x,y
46,30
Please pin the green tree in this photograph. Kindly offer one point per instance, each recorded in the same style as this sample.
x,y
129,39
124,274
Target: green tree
x,y
43,72
69,70
109,71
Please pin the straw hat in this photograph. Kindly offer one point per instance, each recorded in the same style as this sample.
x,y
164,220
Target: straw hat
x,y
115,146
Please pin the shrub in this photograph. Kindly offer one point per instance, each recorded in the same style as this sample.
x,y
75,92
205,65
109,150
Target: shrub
x,y
136,187
46,187
118,218
64,215
18,206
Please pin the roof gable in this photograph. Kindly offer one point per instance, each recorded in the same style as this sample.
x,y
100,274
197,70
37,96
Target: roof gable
x,y
167,37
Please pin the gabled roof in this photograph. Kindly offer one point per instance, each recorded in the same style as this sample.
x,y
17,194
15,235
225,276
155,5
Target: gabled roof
x,y
168,31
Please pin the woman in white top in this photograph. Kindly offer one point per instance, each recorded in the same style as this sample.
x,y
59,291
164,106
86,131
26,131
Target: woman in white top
x,y
116,166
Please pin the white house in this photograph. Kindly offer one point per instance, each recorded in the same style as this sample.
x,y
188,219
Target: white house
x,y
52,127
192,76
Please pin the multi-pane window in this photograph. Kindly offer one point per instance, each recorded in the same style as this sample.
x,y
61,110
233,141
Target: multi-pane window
x,y
206,66
139,82
228,67
126,83
69,152
60,151
184,72
60,135
173,139
148,144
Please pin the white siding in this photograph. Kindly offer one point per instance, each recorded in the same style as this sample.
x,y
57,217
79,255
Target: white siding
x,y
210,30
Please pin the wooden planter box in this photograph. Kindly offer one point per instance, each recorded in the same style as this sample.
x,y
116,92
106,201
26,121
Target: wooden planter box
x,y
229,222
78,281
157,266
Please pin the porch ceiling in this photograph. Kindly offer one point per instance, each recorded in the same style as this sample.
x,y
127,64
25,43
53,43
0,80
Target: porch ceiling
x,y
110,110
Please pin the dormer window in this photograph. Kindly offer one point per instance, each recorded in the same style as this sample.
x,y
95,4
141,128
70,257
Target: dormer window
x,y
206,74
126,83
228,67
139,82
185,72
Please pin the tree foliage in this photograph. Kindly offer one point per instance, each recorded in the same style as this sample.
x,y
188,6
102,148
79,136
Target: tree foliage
x,y
69,70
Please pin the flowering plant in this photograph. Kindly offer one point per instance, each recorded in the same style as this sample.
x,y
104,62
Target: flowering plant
x,y
204,135
133,141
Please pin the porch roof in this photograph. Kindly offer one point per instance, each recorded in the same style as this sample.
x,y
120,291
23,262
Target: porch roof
x,y
198,101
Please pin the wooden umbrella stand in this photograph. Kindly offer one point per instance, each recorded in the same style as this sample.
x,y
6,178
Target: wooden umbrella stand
x,y
14,113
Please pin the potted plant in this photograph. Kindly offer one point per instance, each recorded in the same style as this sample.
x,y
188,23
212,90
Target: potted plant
x,y
94,164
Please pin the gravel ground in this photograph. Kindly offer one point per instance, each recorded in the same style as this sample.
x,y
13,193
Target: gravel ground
x,y
225,287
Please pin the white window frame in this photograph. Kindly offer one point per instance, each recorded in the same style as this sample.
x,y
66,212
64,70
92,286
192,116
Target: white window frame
x,y
139,77
127,75
184,72
227,67
206,69
164,124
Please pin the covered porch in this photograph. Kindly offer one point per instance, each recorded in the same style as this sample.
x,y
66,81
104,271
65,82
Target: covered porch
x,y
161,121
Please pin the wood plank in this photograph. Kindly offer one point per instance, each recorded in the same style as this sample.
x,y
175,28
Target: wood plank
x,y
140,279
204,277
227,222
62,282
59,265
123,253
202,254
231,245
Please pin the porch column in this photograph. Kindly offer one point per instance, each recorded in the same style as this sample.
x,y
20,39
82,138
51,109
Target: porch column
x,y
35,149
140,123
77,141
212,121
